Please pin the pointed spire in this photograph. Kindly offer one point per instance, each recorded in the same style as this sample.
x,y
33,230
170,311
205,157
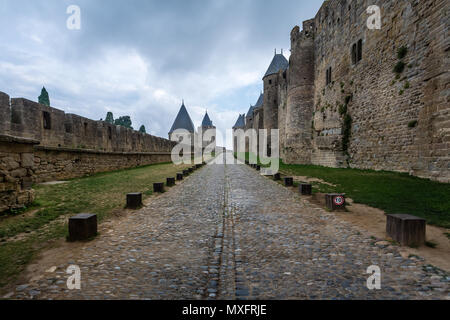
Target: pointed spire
x,y
281,50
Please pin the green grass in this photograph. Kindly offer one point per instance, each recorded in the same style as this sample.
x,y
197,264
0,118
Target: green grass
x,y
390,191
100,194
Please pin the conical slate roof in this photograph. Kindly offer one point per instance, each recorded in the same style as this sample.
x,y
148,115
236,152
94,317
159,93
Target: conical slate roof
x,y
207,121
258,104
183,121
279,62
240,123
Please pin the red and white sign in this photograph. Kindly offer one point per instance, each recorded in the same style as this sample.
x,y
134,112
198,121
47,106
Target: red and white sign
x,y
339,200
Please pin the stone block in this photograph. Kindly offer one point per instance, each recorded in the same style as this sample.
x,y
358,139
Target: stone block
x,y
134,200
186,172
27,160
18,173
179,176
305,189
277,177
158,187
258,168
82,227
406,229
289,181
170,182
27,183
335,201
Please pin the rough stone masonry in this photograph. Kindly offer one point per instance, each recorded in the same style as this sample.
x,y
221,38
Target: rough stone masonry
x,y
40,143
361,98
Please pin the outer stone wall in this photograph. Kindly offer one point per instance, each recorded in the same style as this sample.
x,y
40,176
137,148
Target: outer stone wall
x,y
16,172
58,164
40,143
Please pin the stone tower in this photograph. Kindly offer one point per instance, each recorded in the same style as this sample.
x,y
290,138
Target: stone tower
x,y
207,125
270,105
300,96
240,124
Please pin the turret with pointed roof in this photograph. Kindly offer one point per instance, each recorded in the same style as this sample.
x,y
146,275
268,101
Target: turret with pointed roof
x,y
206,121
240,123
183,121
258,104
279,62
207,126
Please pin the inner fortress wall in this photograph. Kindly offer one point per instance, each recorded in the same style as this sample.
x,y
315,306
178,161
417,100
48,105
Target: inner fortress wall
x,y
400,121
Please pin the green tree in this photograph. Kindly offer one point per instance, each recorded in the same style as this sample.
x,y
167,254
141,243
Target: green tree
x,y
44,98
124,121
109,118
142,129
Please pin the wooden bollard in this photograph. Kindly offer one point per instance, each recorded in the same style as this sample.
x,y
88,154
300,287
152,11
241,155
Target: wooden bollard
x,y
305,189
158,187
258,168
406,229
335,201
179,176
289,181
277,177
82,227
191,170
170,182
185,173
134,200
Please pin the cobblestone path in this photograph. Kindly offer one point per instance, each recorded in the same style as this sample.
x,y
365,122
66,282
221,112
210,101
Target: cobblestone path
x,y
229,233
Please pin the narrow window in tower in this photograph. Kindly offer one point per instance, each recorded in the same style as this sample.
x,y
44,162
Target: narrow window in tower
x,y
360,50
270,81
328,76
109,133
46,120
68,127
354,53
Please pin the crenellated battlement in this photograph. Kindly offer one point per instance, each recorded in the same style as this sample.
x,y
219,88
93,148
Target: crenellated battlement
x,y
55,128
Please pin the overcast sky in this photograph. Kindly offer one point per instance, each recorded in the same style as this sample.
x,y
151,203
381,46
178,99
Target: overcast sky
x,y
141,57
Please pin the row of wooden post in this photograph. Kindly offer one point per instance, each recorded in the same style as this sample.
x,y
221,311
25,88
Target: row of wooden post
x,y
84,226
405,229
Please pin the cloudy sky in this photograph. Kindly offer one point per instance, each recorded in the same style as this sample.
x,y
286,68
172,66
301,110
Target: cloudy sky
x,y
142,57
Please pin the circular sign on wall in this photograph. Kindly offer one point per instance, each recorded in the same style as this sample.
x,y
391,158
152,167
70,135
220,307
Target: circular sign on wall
x,y
339,200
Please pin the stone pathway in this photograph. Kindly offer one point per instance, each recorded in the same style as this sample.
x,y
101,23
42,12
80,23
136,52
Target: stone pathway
x,y
229,233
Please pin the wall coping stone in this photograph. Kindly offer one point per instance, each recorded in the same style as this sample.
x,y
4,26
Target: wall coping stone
x,y
57,149
8,138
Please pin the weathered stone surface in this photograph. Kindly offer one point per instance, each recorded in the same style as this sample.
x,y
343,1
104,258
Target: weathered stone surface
x,y
406,229
339,109
82,227
27,160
